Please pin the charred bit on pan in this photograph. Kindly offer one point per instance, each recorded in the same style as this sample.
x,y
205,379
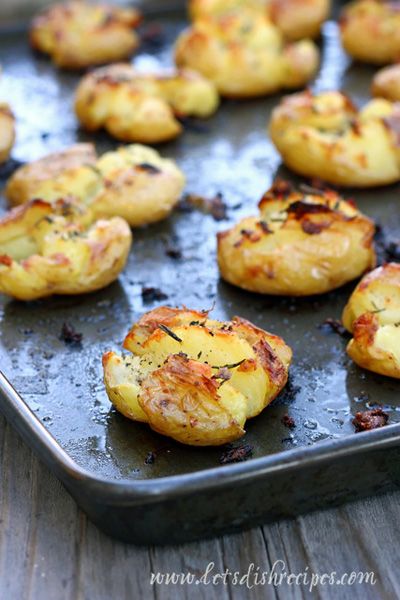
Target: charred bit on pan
x,y
214,206
370,419
153,36
393,250
70,336
153,294
236,454
288,421
173,252
335,326
193,124
150,458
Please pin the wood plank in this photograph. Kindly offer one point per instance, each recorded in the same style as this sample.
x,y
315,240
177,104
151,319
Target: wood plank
x,y
48,549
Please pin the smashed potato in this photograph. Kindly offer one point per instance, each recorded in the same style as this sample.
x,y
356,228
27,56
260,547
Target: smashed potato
x,y
7,131
372,315
301,243
296,19
386,83
138,185
70,172
244,54
326,137
196,379
133,182
78,35
50,249
137,107
370,31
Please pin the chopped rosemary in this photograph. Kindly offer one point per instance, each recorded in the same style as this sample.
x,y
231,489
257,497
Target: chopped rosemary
x,y
169,332
229,366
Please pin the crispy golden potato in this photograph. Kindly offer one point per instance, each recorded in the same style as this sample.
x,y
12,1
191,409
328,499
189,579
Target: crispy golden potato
x,y
7,131
386,83
244,54
300,244
70,172
195,379
299,19
133,182
137,107
296,19
372,315
324,136
138,185
78,35
55,248
370,31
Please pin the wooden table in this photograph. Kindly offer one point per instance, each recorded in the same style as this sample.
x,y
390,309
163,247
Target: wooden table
x,y
50,551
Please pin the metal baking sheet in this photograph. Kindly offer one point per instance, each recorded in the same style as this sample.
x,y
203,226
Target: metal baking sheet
x,y
96,448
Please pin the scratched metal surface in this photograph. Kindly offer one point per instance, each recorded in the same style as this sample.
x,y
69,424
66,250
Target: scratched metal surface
x,y
229,153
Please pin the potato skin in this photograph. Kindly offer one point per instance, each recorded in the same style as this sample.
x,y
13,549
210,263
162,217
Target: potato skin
x,y
296,19
245,56
370,31
137,107
55,249
372,315
301,244
386,83
7,131
78,35
195,379
57,175
324,136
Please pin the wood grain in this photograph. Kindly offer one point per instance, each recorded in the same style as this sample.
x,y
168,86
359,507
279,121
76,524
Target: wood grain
x,y
50,551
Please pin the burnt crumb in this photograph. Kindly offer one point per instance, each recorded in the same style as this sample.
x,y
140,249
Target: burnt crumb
x,y
370,419
173,252
214,206
70,336
152,294
335,326
288,422
193,124
152,37
393,250
236,454
150,458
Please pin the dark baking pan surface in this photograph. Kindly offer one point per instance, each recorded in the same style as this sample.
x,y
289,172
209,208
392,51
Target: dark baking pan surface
x,y
62,383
